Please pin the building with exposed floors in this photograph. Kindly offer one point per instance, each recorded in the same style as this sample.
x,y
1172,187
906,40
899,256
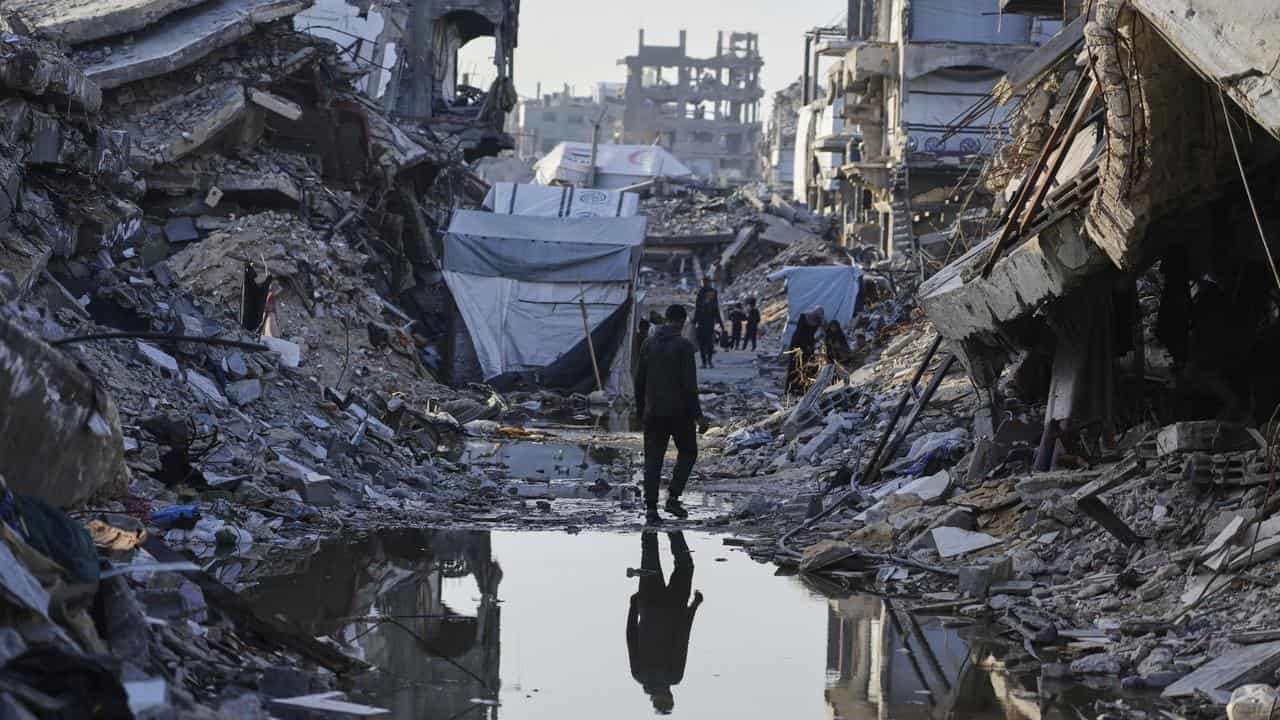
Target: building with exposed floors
x,y
906,119
705,111
540,124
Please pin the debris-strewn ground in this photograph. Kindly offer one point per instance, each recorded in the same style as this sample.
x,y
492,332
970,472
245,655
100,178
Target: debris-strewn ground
x,y
224,336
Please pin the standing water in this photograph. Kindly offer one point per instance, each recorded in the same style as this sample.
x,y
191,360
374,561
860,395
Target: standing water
x,y
475,624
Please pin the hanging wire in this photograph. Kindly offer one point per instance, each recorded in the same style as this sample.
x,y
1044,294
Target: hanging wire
x,y
1248,192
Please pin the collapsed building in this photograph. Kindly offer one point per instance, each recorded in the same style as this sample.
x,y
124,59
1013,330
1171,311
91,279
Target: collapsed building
x,y
1138,227
706,111
216,231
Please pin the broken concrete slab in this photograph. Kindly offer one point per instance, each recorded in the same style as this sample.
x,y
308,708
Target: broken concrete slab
x,y
290,352
179,40
60,437
158,358
281,106
79,21
1218,677
37,69
243,392
315,488
1205,436
185,123
963,305
206,388
1255,553
954,542
1227,534
931,488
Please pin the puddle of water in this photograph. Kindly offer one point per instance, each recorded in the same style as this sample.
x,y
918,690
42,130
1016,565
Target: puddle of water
x,y
545,625
599,419
550,461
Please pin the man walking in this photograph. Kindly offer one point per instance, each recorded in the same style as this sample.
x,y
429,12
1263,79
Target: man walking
x,y
667,404
706,316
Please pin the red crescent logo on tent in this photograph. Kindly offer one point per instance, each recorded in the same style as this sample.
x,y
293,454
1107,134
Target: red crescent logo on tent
x,y
636,156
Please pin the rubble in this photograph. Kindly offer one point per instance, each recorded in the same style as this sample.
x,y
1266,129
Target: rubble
x,y
224,335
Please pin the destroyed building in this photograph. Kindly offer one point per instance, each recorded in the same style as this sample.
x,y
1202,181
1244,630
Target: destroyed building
x,y
1140,227
706,111
894,143
540,124
778,152
410,54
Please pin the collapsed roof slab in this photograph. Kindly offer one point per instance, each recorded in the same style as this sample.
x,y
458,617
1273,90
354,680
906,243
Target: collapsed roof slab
x,y
81,21
180,39
1232,44
963,305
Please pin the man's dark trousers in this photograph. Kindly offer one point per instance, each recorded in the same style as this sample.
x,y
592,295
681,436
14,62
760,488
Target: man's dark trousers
x,y
657,432
706,333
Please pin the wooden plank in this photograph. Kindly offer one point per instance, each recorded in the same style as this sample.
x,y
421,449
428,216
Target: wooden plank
x,y
1252,663
1077,122
1028,184
1115,476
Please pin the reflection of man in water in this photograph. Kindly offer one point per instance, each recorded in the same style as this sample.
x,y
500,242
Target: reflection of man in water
x,y
660,619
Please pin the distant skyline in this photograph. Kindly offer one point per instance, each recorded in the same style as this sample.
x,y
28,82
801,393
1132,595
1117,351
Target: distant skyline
x,y
579,42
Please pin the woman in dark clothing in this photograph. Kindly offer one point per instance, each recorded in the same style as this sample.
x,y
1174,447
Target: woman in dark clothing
x,y
804,343
753,325
737,319
838,350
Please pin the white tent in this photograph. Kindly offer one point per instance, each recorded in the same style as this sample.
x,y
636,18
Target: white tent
x,y
834,288
617,166
520,284
547,201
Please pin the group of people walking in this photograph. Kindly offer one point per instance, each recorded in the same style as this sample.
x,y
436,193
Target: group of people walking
x,y
707,317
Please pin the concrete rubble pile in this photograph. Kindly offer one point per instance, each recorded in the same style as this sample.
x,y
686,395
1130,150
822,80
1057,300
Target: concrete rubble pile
x,y
258,242
1071,429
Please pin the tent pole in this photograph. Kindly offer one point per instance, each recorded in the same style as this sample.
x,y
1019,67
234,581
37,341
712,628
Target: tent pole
x,y
586,328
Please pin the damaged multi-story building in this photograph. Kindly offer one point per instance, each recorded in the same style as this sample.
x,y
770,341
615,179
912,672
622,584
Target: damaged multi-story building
x,y
890,144
778,152
705,111
1132,274
410,51
542,122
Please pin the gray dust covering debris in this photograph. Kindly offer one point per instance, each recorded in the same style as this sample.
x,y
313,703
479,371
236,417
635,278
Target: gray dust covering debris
x,y
320,353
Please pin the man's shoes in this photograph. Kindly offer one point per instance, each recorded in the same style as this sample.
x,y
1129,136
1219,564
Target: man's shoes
x,y
676,509
651,517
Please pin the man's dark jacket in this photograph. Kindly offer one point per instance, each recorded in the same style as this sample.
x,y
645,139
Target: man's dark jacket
x,y
666,378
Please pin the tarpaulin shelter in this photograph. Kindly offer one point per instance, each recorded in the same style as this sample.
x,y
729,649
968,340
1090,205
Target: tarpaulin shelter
x,y
520,283
617,166
834,288
557,201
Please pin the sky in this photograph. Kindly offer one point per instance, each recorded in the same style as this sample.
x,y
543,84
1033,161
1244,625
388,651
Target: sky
x,y
579,42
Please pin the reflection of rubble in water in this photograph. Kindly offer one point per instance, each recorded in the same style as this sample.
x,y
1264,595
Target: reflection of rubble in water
x,y
387,596
545,462
887,663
